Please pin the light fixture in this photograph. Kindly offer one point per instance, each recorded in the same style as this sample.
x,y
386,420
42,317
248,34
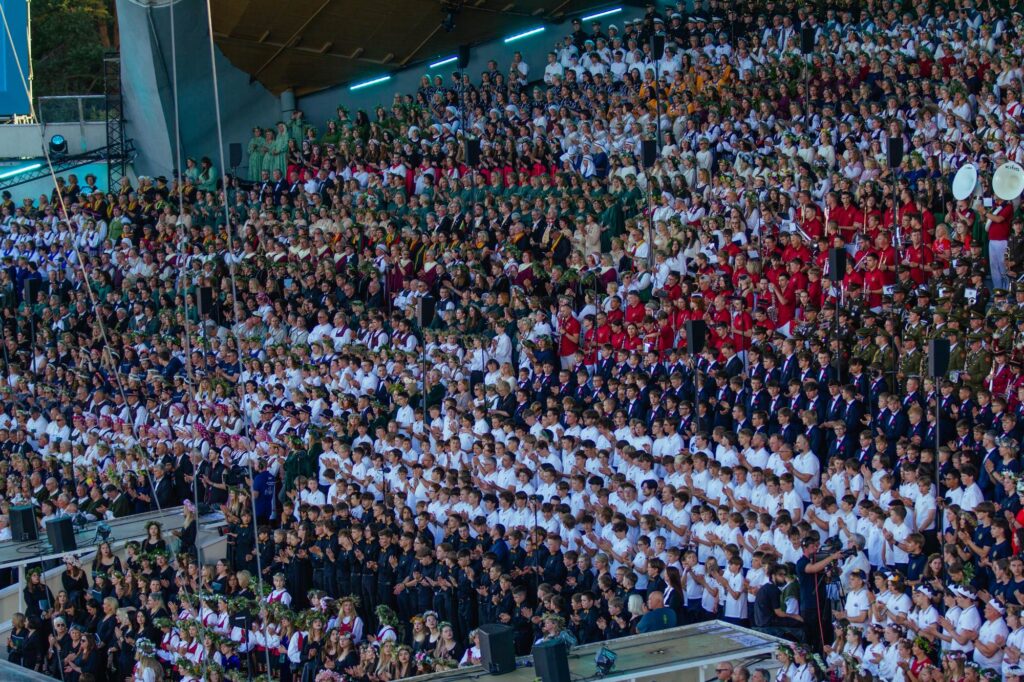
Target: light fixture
x,y
19,171
449,9
606,13
605,661
448,60
525,34
58,145
103,533
366,84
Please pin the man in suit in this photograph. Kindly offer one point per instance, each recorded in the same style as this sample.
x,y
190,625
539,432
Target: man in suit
x,y
163,488
120,505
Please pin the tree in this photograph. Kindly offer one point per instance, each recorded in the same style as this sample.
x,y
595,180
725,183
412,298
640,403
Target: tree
x,y
69,38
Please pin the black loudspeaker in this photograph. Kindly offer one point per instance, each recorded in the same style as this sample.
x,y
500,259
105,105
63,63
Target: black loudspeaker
x,y
235,154
463,56
23,524
205,300
894,151
648,152
696,330
61,534
424,311
657,45
551,660
938,357
472,152
836,264
497,648
32,287
806,40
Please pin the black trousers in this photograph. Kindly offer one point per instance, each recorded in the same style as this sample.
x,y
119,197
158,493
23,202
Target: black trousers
x,y
818,629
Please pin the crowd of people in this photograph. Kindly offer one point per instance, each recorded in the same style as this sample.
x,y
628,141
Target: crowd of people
x,y
429,395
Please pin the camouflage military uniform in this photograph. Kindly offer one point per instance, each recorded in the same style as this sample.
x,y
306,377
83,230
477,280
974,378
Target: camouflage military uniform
x,y
884,358
910,363
977,366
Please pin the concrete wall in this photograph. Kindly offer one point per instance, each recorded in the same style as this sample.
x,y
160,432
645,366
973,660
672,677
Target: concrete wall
x,y
26,141
147,78
44,185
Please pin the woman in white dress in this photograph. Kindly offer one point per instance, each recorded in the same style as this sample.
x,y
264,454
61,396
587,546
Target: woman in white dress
x,y
147,668
784,655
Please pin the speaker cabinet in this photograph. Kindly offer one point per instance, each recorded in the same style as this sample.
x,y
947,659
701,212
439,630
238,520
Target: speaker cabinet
x,y
23,524
938,358
836,264
463,56
497,648
205,300
551,659
61,534
32,287
648,152
657,45
235,154
472,152
894,151
696,331
424,311
806,40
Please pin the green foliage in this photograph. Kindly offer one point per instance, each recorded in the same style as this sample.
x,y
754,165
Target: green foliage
x,y
69,38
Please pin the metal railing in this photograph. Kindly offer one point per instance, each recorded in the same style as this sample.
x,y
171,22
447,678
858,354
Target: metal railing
x,y
71,109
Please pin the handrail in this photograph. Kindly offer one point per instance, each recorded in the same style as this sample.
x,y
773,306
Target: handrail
x,y
71,109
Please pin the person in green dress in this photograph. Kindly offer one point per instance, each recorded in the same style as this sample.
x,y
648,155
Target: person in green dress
x,y
277,157
207,178
333,134
257,150
192,170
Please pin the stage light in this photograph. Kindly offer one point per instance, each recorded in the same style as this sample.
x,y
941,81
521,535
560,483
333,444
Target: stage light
x,y
605,661
449,60
606,13
58,145
18,171
525,34
366,84
448,22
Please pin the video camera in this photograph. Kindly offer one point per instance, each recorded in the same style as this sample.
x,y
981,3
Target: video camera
x,y
830,547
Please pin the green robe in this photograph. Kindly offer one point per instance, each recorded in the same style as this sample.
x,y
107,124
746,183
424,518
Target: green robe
x,y
614,219
297,131
207,180
277,157
257,150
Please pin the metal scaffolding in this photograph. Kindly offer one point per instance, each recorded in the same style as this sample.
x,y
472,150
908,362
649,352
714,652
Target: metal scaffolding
x,y
117,147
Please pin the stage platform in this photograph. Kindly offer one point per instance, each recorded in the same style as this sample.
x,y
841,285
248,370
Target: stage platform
x,y
17,554
684,654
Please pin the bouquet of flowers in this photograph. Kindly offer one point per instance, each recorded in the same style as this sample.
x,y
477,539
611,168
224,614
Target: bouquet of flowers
x,y
330,676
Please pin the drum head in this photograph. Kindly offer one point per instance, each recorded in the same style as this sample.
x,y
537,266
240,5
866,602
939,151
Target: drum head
x,y
1008,181
964,182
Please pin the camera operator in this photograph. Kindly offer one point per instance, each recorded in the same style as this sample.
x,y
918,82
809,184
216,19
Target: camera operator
x,y
815,608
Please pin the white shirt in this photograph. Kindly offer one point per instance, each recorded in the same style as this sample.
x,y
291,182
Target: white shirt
x,y
990,632
969,620
735,607
971,497
856,604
